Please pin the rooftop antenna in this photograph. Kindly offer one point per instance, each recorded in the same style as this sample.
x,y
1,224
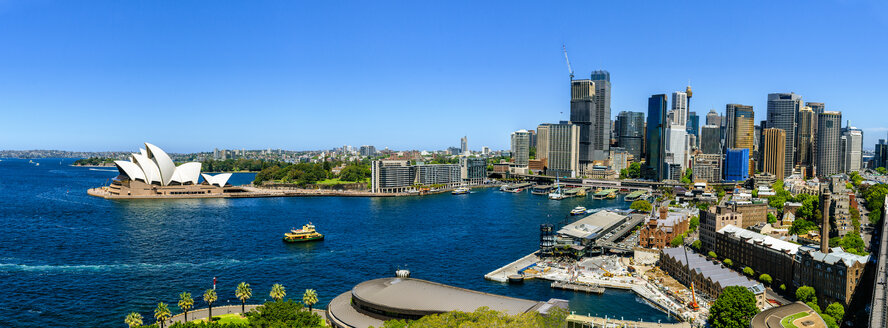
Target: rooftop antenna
x,y
564,49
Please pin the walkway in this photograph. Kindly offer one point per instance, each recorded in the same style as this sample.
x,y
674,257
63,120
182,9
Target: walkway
x,y
219,310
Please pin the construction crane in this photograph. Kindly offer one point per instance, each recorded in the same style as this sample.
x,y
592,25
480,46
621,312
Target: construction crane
x,y
693,304
564,48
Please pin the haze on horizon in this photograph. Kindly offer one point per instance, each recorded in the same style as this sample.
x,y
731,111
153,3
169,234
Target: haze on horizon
x,y
106,75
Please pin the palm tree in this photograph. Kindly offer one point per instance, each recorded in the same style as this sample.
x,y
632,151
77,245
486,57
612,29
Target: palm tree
x,y
133,320
161,313
210,297
309,298
185,303
243,292
278,292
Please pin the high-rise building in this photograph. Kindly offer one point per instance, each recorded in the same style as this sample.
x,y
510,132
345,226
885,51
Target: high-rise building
x,y
367,150
740,124
679,109
782,110
582,107
215,153
694,125
712,118
464,145
707,167
710,138
829,147
881,155
737,165
853,145
655,149
601,116
561,144
773,146
805,144
817,108
631,136
521,147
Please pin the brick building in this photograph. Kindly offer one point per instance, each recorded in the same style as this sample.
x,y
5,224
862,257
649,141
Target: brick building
x,y
659,231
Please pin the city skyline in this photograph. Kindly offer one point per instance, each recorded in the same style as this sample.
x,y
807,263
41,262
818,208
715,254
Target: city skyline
x,y
73,83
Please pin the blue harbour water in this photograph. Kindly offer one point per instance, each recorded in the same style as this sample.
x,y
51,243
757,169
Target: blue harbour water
x,y
69,259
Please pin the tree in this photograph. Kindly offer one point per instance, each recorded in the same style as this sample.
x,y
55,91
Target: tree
x,y
162,313
697,245
185,303
310,298
830,321
210,297
686,178
243,293
729,262
734,308
766,279
772,218
283,314
677,241
806,294
712,254
278,292
783,287
485,317
133,320
694,223
641,205
748,271
835,310
634,170
882,170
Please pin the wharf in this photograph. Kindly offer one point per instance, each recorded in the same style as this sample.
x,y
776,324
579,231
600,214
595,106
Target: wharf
x,y
596,322
502,274
577,287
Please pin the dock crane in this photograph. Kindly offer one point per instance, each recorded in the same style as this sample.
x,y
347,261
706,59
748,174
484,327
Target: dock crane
x,y
564,49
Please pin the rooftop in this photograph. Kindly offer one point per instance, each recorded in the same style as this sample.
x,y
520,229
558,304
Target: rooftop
x,y
589,227
716,272
768,241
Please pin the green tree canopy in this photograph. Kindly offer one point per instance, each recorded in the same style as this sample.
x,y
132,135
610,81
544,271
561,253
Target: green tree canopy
x,y
734,308
641,205
712,254
677,241
806,294
728,262
484,317
697,244
694,223
766,279
283,314
748,271
835,310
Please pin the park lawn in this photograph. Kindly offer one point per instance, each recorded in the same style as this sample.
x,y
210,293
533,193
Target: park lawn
x,y
787,321
227,318
336,181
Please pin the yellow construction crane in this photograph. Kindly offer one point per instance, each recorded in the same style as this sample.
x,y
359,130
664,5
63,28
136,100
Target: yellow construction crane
x,y
564,48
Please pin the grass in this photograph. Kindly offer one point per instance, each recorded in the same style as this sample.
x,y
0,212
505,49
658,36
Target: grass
x,y
336,181
227,318
787,321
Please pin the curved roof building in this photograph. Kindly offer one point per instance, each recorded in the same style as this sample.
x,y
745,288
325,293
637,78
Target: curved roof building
x,y
153,166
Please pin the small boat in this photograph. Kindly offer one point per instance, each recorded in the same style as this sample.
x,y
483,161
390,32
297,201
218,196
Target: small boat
x,y
307,233
579,210
516,190
460,191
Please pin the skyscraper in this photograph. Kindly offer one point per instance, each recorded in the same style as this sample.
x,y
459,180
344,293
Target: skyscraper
x,y
561,142
853,138
582,107
655,149
773,146
737,165
782,110
805,144
601,115
521,147
679,109
631,135
694,124
828,157
712,118
739,129
709,139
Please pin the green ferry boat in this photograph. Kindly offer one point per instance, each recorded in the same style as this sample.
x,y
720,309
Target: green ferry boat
x,y
307,233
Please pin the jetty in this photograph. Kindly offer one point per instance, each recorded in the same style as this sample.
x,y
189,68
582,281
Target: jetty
x,y
635,195
566,285
606,193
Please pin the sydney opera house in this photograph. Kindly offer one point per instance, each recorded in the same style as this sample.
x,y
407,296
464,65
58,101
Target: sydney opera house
x,y
152,173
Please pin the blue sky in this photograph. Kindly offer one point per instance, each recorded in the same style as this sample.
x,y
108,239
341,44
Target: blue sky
x,y
194,75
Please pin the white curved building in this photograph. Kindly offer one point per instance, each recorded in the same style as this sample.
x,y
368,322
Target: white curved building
x,y
152,172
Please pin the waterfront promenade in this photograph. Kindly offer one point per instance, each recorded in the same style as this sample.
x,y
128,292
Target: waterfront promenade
x,y
202,314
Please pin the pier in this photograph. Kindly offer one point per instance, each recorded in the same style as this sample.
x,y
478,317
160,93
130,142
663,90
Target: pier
x,y
577,287
582,321
502,274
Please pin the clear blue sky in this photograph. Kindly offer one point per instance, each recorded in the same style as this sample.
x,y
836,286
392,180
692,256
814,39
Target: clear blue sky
x,y
191,76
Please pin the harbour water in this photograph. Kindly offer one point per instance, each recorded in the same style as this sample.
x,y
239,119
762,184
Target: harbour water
x,y
66,257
